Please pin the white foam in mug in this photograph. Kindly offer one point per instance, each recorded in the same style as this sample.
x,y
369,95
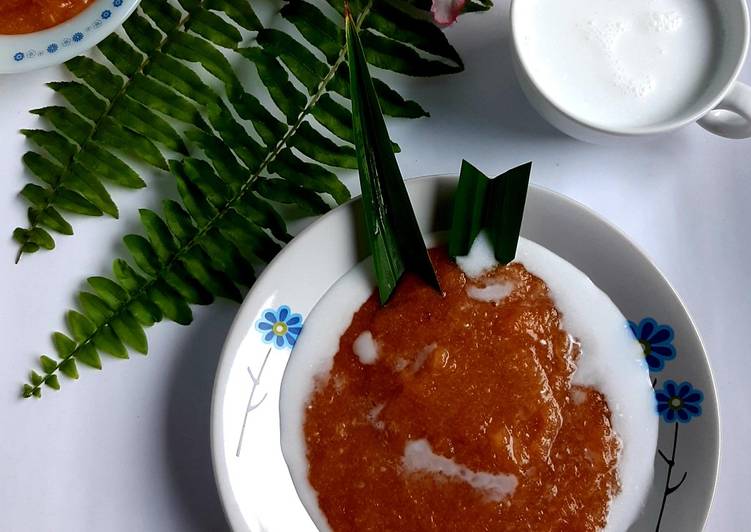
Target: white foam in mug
x,y
611,68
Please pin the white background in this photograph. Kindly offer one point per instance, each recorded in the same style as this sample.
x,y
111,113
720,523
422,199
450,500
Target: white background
x,y
128,449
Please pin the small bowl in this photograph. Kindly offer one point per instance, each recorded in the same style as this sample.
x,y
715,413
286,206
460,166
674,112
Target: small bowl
x,y
55,45
723,108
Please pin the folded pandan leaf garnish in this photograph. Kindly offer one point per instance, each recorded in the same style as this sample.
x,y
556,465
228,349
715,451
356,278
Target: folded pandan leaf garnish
x,y
393,234
496,205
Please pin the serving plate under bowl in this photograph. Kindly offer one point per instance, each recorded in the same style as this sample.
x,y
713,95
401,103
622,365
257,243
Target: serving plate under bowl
x,y
55,45
254,483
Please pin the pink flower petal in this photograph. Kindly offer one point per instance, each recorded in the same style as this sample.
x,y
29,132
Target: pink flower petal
x,y
445,12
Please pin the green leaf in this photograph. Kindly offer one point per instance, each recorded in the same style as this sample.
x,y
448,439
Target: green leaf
x,y
141,119
71,201
276,80
306,67
142,33
28,390
250,239
88,185
510,193
94,308
48,365
282,191
202,175
215,281
241,12
80,326
98,77
263,214
121,54
53,382
104,164
143,254
335,117
43,168
222,159
41,238
493,204
170,303
309,175
200,209
181,78
21,236
87,354
36,195
468,213
198,50
107,341
108,290
213,28
190,290
131,333
248,107
393,233
64,346
158,234
81,98
392,22
69,368
164,99
145,311
53,142
393,104
67,122
52,219
392,55
317,28
225,257
179,222
319,148
165,16
127,276
111,134
36,379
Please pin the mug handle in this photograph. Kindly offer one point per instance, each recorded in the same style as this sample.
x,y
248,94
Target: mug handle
x,y
732,116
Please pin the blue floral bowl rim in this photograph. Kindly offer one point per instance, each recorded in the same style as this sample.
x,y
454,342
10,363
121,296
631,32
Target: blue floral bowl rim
x,y
55,45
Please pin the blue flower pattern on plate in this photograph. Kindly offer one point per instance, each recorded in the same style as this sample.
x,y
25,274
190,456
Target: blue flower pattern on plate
x,y
76,37
678,402
279,327
656,340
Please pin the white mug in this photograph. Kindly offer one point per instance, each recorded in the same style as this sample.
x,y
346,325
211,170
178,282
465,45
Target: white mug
x,y
723,109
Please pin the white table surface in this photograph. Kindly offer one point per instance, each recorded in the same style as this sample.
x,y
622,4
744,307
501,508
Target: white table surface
x,y
128,449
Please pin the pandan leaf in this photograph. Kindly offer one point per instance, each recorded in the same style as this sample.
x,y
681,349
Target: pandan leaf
x,y
169,94
393,234
496,205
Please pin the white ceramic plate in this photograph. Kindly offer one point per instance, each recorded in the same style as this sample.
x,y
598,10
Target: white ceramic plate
x,y
30,51
253,479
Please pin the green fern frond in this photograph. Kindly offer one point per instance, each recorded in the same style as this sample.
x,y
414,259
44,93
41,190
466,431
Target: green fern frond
x,y
129,108
227,223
